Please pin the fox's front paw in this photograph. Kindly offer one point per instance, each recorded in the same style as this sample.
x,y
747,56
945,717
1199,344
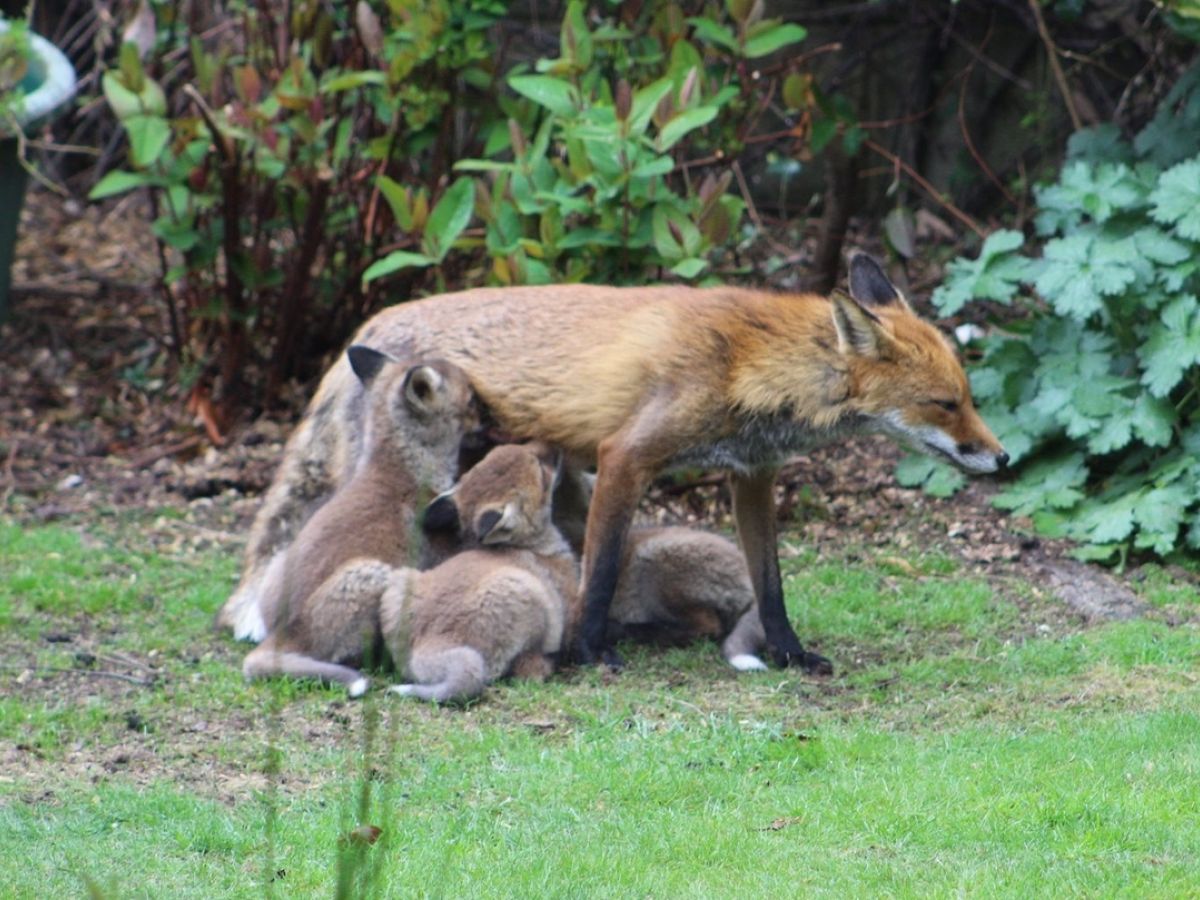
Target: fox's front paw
x,y
789,654
584,654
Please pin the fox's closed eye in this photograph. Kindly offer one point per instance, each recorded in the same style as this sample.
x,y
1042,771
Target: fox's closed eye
x,y
947,405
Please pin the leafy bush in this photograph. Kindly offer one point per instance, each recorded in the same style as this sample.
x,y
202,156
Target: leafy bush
x,y
267,171
1097,393
584,181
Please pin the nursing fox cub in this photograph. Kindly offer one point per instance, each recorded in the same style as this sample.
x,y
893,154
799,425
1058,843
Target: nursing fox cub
x,y
641,380
499,609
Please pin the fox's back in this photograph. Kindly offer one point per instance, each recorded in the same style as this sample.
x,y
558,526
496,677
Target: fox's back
x,y
569,363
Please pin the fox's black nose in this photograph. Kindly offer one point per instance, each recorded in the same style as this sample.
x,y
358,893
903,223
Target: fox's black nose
x,y
1002,459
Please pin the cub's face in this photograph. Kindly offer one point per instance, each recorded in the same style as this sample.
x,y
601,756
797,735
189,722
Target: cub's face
x,y
504,500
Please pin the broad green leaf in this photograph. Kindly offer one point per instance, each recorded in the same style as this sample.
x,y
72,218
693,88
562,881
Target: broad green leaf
x,y
1153,420
709,31
645,101
767,37
690,268
1173,347
117,182
1105,521
1054,483
996,275
1159,513
394,262
558,96
937,478
1176,199
148,137
398,201
449,217
686,121
150,100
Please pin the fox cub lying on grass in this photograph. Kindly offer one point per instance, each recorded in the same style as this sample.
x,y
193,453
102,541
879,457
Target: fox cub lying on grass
x,y
676,585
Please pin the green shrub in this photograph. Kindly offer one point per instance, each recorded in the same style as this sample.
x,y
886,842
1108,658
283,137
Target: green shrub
x,y
1096,393
584,181
267,172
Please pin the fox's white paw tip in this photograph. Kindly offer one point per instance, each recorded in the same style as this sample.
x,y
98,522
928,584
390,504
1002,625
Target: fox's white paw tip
x,y
358,687
250,626
747,662
404,690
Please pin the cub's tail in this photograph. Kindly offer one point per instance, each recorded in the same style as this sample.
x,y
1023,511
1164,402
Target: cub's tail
x,y
453,674
264,661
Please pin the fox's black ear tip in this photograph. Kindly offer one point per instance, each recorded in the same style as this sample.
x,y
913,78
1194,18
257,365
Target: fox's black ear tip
x,y
366,361
869,283
441,515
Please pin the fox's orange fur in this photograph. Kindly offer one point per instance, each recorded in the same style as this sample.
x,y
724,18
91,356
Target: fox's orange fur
x,y
639,380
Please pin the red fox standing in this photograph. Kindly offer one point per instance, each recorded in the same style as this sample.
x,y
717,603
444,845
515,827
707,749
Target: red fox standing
x,y
641,380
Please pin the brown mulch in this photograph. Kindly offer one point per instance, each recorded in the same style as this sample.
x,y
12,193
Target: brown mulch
x,y
91,417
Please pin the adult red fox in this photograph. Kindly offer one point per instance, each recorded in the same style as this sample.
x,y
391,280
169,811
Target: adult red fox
x,y
640,380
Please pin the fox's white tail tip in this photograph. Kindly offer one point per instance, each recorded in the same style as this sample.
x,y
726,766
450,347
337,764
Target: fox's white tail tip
x,y
358,687
747,662
404,690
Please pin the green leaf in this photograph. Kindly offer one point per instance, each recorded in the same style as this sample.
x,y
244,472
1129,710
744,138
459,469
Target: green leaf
x,y
937,478
398,201
686,121
709,31
348,81
148,137
996,275
690,267
1105,521
1176,199
558,96
394,262
1079,271
645,101
1159,513
1173,346
1153,420
1053,483
117,182
767,37
449,217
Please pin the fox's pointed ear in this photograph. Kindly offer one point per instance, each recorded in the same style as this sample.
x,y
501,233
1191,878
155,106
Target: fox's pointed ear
x,y
860,333
441,515
869,284
366,362
552,460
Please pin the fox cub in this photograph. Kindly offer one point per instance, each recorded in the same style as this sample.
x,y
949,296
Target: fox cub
x,y
676,585
500,608
484,613
316,597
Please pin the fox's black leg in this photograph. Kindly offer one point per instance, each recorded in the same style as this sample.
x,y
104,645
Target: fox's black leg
x,y
754,512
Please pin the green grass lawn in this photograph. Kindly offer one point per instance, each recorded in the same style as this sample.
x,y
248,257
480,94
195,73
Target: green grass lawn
x,y
976,740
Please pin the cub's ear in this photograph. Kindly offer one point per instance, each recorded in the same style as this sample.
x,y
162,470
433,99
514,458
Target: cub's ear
x,y
869,284
441,515
421,386
366,362
860,333
552,461
494,526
